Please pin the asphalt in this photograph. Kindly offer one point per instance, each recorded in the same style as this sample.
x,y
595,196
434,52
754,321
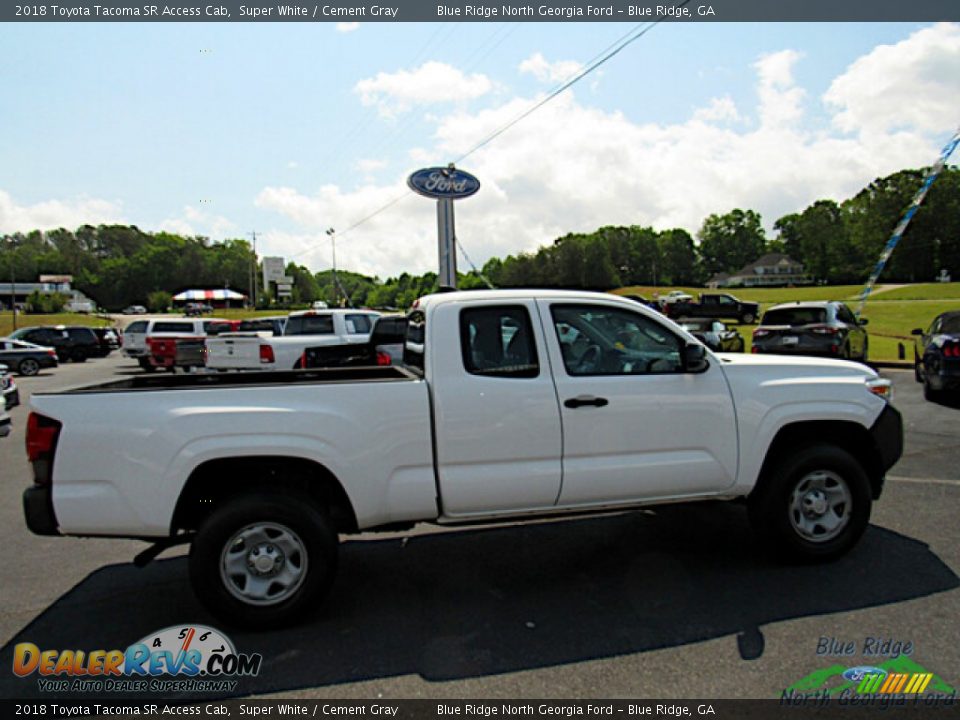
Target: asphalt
x,y
672,602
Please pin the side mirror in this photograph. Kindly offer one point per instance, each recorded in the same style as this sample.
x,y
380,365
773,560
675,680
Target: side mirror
x,y
694,358
916,331
863,321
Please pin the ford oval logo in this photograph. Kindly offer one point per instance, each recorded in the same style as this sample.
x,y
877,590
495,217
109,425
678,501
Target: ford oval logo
x,y
443,183
856,674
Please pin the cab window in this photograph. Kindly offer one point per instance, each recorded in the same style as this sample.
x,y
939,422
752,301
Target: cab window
x,y
599,340
498,342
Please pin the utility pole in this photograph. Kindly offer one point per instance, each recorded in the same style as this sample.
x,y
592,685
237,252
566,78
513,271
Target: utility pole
x,y
336,284
13,286
253,271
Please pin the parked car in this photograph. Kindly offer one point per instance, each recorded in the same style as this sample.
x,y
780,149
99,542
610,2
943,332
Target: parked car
x,y
714,334
26,358
8,388
108,340
718,306
825,328
71,342
489,420
5,424
135,310
643,301
196,309
163,336
936,355
135,341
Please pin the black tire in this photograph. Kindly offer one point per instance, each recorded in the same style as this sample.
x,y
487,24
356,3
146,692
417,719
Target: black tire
x,y
929,394
28,367
79,355
775,517
146,365
316,556
747,319
916,368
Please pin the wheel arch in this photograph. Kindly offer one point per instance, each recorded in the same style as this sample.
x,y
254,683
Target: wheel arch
x,y
844,434
215,481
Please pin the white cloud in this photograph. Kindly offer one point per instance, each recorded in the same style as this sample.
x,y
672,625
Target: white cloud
x,y
554,72
432,82
914,83
52,214
346,27
195,221
370,165
293,165
780,100
573,167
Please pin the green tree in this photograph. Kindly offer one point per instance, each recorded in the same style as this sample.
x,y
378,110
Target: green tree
x,y
730,241
159,301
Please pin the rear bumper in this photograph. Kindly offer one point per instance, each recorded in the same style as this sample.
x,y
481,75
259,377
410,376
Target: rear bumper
x,y
12,398
38,511
887,434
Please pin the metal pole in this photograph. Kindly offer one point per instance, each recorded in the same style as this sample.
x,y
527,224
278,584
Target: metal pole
x,y
13,289
336,283
446,250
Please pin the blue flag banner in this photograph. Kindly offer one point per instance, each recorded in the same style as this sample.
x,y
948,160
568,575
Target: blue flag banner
x,y
907,217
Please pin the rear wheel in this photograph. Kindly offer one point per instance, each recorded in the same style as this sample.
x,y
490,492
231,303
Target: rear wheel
x,y
813,505
747,318
79,355
146,365
264,560
928,392
916,368
28,367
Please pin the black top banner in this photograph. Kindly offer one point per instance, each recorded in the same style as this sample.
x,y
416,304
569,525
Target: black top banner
x,y
487,11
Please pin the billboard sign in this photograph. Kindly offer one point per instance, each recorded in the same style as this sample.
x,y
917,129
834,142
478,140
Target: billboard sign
x,y
443,183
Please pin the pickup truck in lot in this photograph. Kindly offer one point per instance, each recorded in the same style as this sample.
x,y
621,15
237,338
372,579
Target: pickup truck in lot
x,y
510,405
303,329
717,306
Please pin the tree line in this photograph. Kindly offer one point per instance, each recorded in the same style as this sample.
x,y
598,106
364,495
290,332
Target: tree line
x,y
837,242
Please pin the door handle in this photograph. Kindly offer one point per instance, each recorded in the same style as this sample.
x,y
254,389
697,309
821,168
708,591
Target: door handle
x,y
581,400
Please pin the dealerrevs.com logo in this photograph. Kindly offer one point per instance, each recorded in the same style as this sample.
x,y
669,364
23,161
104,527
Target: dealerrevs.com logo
x,y
180,658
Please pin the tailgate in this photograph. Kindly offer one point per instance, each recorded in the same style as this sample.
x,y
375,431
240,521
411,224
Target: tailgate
x,y
235,353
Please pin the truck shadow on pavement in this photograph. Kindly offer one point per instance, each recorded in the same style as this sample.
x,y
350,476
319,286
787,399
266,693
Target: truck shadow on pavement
x,y
470,603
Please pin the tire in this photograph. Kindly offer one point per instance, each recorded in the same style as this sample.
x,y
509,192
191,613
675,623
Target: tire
x,y
747,319
79,355
916,368
28,367
295,534
863,355
146,365
929,394
787,510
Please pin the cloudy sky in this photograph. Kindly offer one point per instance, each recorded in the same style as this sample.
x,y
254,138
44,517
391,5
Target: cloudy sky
x,y
289,129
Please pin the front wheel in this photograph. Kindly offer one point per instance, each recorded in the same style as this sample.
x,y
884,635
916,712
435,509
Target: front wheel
x,y
813,505
264,560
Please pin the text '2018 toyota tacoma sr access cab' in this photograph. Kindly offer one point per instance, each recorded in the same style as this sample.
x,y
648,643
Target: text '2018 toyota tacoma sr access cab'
x,y
509,405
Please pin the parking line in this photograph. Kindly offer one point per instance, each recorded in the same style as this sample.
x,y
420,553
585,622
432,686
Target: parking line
x,y
926,481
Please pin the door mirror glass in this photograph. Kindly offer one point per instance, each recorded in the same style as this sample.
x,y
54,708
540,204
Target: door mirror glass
x,y
694,358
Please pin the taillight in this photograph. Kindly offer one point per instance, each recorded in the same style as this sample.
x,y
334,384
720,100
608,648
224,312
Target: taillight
x,y
881,387
755,350
823,330
42,434
383,358
52,353
951,350
266,354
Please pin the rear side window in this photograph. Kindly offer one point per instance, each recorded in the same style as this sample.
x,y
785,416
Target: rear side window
x,y
83,334
172,327
498,342
309,325
795,316
414,347
358,324
137,327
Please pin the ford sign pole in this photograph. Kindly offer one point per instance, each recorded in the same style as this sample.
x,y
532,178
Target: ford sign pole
x,y
446,185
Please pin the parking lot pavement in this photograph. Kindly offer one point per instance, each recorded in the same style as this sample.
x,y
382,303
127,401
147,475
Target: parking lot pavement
x,y
671,602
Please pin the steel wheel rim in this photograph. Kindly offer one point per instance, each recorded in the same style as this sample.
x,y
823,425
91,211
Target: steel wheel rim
x,y
263,564
820,506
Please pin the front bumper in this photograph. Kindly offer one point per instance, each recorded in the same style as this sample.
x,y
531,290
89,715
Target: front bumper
x,y
887,434
38,511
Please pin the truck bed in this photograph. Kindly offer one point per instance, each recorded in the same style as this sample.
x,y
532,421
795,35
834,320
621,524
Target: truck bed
x,y
208,381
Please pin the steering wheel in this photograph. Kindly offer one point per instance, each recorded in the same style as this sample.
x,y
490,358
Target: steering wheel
x,y
590,360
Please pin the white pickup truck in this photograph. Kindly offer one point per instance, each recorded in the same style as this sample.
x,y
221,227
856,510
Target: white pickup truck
x,y
303,329
511,405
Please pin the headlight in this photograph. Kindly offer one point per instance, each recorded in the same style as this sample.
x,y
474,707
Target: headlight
x,y
881,387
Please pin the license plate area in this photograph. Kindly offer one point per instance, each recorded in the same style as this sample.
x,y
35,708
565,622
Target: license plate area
x,y
789,340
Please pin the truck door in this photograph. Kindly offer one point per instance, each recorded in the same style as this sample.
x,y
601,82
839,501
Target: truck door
x,y
497,423
636,425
